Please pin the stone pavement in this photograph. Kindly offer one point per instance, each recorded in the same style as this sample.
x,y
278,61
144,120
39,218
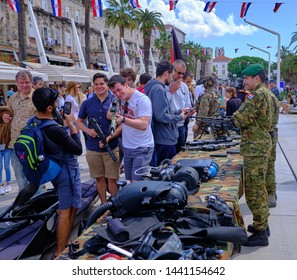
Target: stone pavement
x,y
283,218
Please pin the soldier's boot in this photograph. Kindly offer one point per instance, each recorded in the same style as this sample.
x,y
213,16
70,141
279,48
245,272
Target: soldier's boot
x,y
259,238
271,201
252,229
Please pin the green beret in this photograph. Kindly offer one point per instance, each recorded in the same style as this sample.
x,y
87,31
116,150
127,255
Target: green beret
x,y
252,70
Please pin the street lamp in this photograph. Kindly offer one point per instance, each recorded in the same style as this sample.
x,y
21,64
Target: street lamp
x,y
268,57
278,49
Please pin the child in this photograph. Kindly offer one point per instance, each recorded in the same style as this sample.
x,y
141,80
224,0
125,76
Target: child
x,y
5,126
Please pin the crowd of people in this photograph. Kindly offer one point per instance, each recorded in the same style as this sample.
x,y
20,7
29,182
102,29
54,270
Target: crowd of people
x,y
152,125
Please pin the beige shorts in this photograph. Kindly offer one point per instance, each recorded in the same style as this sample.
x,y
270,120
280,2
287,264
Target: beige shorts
x,y
101,164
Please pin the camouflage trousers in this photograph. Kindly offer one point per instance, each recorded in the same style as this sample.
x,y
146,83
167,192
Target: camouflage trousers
x,y
270,175
255,168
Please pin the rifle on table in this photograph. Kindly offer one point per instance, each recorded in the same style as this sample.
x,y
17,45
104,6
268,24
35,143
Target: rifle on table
x,y
212,147
213,141
94,124
114,110
219,126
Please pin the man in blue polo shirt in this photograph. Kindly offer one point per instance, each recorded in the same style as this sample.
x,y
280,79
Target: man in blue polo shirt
x,y
100,163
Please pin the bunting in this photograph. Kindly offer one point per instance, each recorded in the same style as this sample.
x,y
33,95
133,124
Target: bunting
x,y
97,8
135,4
209,6
14,5
188,52
236,50
57,8
244,8
172,4
276,7
141,52
204,51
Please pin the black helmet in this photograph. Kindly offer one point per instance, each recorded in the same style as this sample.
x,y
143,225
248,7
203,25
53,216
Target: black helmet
x,y
239,84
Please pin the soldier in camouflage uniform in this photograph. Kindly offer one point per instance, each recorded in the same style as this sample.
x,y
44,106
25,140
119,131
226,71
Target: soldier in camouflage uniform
x,y
207,104
270,176
254,118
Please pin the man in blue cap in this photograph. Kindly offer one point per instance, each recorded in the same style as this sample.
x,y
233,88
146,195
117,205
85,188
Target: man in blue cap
x,y
254,118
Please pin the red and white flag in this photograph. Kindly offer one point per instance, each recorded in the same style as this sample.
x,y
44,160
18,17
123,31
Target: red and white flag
x,y
57,8
244,8
14,5
209,6
97,8
172,4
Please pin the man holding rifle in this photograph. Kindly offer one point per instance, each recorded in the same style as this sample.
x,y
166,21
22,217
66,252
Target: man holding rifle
x,y
135,117
101,145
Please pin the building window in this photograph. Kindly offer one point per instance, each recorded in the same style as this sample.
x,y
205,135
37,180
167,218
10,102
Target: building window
x,y
44,4
30,29
68,38
77,16
57,36
224,72
223,65
67,12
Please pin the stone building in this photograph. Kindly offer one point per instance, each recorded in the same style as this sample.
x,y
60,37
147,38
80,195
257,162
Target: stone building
x,y
57,36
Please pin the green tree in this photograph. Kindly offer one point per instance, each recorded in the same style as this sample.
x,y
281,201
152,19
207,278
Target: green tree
x,y
120,14
238,64
148,20
293,41
289,68
163,45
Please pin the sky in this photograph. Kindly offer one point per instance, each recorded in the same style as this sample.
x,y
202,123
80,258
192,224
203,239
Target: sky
x,y
223,27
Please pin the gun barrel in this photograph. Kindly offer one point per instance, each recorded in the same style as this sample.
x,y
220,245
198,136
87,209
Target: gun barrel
x,y
94,123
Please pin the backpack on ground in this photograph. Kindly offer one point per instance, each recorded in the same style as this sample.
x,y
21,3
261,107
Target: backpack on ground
x,y
38,167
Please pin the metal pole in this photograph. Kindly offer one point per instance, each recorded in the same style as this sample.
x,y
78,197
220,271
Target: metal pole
x,y
107,57
264,52
278,48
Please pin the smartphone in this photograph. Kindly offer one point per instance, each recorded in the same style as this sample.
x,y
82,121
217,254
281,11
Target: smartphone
x,y
189,111
67,108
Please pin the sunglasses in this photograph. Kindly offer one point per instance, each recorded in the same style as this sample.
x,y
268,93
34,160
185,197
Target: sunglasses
x,y
126,105
179,73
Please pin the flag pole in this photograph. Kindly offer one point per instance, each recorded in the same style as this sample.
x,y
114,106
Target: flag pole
x,y
40,47
107,57
142,70
125,56
82,62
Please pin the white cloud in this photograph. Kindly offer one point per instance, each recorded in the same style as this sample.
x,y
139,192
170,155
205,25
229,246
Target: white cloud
x,y
197,24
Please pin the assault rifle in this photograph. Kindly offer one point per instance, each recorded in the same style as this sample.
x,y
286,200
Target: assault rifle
x,y
213,141
114,110
212,147
219,126
94,124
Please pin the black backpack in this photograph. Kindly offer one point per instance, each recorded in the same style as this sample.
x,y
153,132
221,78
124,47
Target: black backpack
x,y
38,167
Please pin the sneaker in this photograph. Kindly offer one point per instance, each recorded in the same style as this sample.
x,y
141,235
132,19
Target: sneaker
x,y
2,192
8,188
259,238
271,201
251,229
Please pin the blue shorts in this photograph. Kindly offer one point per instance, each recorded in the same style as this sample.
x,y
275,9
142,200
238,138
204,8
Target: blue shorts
x,y
68,185
136,158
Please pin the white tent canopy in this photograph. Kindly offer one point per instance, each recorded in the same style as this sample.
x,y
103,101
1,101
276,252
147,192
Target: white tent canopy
x,y
65,73
9,71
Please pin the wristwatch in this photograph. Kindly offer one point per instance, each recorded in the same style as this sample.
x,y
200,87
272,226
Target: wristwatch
x,y
123,120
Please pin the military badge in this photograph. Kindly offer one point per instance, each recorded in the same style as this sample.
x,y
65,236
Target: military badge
x,y
250,96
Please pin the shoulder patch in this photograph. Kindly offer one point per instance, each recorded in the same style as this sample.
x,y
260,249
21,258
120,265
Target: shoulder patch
x,y
250,96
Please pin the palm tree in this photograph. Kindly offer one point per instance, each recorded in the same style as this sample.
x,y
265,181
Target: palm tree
x,y
22,31
294,40
163,45
87,4
120,13
148,20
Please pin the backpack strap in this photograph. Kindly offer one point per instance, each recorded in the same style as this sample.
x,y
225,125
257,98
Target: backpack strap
x,y
40,123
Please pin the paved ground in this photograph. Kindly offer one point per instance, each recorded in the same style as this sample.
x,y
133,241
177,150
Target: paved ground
x,y
283,218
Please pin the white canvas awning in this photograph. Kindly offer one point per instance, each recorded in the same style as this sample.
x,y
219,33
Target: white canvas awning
x,y
9,71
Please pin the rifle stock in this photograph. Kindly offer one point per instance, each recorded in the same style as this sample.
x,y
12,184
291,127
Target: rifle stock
x,y
114,109
94,124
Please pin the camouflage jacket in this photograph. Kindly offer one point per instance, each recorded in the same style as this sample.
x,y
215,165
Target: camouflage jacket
x,y
275,113
207,104
254,118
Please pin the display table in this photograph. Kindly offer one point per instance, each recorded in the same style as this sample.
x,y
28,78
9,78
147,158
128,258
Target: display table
x,y
228,184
